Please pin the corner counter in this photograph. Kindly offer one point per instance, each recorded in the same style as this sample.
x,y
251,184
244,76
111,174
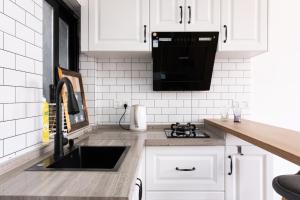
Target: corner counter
x,y
279,141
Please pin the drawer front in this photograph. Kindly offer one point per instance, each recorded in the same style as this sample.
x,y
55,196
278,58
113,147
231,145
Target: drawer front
x,y
185,168
185,196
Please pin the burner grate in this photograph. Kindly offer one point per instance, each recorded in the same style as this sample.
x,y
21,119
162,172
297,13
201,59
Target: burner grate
x,y
196,133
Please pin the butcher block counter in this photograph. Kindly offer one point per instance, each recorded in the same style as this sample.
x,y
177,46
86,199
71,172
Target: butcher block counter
x,y
279,141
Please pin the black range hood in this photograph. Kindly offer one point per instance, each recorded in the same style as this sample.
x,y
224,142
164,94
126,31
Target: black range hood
x,y
183,61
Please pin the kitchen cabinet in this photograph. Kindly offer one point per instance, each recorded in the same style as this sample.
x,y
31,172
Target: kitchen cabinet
x,y
202,15
248,173
139,192
185,15
116,25
244,25
191,168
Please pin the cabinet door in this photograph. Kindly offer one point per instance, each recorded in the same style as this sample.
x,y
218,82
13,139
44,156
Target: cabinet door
x,y
167,15
185,195
244,25
119,25
251,176
202,15
185,168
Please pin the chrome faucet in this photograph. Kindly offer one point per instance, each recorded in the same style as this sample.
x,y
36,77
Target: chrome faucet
x,y
72,110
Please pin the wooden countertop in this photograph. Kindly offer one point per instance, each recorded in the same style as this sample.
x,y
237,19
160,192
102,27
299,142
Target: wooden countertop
x,y
279,141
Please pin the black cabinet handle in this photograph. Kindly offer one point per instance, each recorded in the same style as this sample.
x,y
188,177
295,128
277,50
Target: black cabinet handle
x,y
231,165
225,26
145,33
185,170
181,14
140,188
190,14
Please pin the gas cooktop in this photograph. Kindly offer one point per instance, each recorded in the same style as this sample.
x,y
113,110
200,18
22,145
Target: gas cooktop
x,y
185,131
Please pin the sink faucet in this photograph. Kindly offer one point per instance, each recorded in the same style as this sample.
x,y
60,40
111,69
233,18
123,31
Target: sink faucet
x,y
72,110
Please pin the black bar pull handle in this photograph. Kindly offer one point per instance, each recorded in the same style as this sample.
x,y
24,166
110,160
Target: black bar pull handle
x,y
181,14
225,26
231,166
145,33
140,188
185,170
190,14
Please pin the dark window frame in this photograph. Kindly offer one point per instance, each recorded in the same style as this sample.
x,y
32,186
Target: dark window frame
x,y
61,10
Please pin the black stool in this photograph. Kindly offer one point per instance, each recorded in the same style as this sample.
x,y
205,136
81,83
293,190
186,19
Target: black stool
x,y
288,186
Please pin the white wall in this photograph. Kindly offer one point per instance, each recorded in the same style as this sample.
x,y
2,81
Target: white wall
x,y
21,80
276,74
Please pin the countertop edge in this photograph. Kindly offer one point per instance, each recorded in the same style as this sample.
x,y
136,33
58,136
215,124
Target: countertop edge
x,y
292,157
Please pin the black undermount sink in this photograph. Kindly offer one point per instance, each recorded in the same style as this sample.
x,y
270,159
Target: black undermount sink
x,y
85,158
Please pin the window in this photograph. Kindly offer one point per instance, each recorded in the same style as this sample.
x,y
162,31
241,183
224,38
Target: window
x,y
60,41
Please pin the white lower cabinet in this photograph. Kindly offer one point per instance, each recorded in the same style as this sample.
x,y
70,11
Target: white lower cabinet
x,y
248,173
185,196
181,172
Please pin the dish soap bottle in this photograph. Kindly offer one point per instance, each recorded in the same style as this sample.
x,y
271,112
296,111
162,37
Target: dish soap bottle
x,y
45,131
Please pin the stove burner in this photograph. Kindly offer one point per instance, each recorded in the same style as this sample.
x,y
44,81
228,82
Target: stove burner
x,y
185,131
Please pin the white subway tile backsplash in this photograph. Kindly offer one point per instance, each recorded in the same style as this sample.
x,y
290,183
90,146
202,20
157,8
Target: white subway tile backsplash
x,y
24,64
24,33
1,40
1,141
34,52
28,5
14,11
14,144
9,96
34,23
7,129
14,44
28,124
39,2
1,5
33,109
38,39
7,24
14,111
33,138
34,80
14,78
1,76
21,71
114,76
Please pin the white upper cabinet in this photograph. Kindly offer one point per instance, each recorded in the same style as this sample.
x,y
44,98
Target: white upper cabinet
x,y
202,15
185,15
244,25
119,25
167,15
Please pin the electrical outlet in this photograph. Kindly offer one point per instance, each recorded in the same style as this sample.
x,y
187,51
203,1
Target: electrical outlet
x,y
118,103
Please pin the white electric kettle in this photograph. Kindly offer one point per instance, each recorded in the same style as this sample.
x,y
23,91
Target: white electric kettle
x,y
138,120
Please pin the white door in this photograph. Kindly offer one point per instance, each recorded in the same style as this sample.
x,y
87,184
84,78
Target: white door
x,y
119,25
167,15
244,25
248,176
202,15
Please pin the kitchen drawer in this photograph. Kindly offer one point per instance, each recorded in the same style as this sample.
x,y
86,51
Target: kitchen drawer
x,y
191,168
185,196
